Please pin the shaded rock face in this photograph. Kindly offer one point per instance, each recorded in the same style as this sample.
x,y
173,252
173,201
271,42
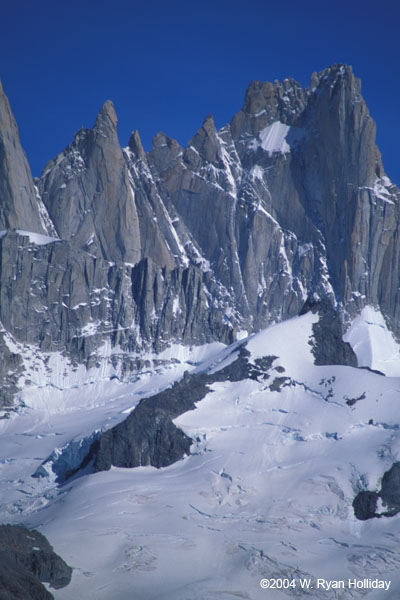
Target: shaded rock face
x,y
288,202
327,343
26,560
20,204
365,503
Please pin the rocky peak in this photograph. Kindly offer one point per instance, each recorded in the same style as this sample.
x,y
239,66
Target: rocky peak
x,y
285,101
332,74
267,102
135,146
206,142
106,117
87,192
164,153
20,207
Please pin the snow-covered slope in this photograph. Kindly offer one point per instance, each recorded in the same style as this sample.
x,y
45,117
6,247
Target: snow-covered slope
x,y
373,344
267,491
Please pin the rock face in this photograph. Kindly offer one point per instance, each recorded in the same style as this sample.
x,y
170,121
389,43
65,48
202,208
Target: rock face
x,y
26,559
20,204
134,250
365,503
327,343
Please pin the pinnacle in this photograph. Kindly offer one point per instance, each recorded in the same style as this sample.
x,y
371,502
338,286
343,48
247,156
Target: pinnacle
x,y
107,115
135,144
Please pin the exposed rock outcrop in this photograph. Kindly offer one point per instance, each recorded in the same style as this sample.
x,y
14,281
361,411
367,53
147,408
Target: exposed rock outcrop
x,y
327,343
365,504
26,560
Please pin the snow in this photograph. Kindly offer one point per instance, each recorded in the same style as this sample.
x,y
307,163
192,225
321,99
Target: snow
x,y
265,492
241,334
37,238
257,173
381,191
273,138
229,165
34,238
373,343
90,328
287,340
43,214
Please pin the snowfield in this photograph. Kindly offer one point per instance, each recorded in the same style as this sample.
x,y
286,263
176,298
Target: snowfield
x,y
266,492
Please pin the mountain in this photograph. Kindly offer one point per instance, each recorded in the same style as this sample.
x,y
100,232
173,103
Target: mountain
x,y
120,251
200,365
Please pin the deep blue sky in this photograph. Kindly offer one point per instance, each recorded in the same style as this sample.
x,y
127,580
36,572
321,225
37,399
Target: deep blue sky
x,y
166,65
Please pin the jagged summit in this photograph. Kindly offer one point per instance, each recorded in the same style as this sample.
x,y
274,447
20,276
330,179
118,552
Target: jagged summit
x,y
195,244
106,116
136,146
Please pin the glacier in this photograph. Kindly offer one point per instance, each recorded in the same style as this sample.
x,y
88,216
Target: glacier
x,y
266,491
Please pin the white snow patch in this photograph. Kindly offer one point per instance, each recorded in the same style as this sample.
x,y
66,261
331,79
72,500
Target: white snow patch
x,y
242,334
289,341
257,173
37,238
175,306
381,191
90,328
373,343
273,138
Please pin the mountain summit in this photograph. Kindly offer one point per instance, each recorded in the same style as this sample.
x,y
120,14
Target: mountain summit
x,y
137,250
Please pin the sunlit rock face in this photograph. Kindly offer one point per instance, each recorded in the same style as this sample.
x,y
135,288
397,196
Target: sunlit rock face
x,y
130,250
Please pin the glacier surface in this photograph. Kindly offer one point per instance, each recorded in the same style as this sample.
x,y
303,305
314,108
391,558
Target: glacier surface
x,y
266,491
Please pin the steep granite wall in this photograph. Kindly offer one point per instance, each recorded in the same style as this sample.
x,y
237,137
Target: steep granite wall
x,y
287,203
